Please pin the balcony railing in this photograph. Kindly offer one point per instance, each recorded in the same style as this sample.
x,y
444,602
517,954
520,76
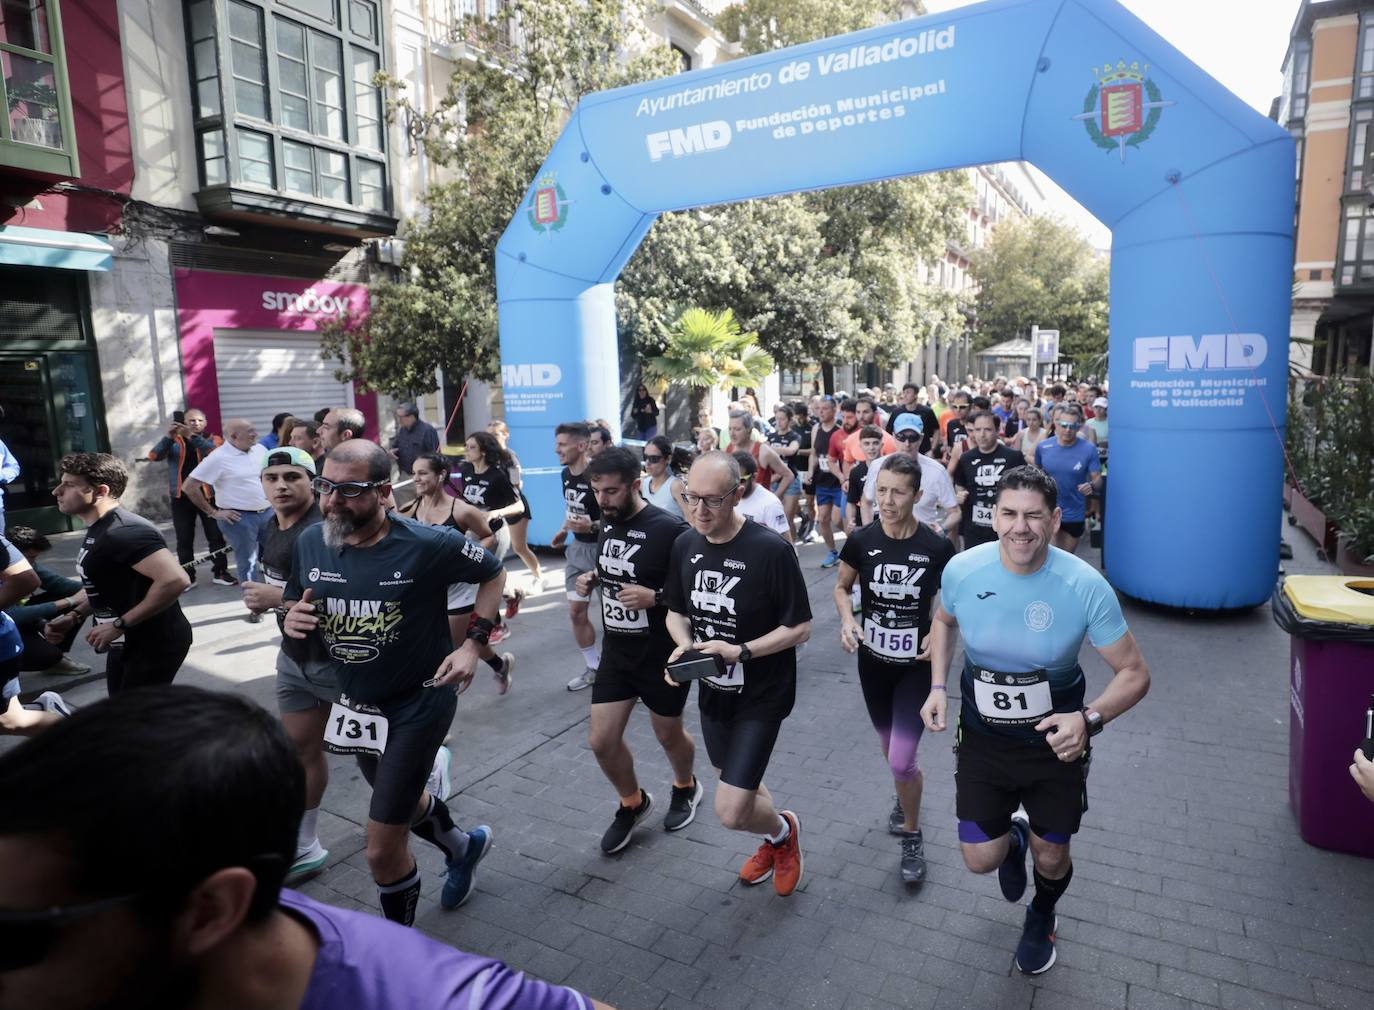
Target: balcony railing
x,y
482,24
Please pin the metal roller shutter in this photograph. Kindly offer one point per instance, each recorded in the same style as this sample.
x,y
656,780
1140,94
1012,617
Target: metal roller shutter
x,y
264,372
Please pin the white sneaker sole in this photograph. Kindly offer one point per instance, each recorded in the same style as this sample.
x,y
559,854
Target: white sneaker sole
x,y
696,800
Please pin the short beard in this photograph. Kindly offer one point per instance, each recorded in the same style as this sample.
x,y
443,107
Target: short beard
x,y
337,529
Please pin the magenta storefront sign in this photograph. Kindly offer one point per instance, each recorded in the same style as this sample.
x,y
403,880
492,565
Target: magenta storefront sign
x,y
208,301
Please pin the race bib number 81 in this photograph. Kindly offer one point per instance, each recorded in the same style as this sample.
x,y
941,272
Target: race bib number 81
x,y
1014,700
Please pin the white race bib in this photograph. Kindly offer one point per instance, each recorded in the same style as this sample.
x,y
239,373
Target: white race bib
x,y
732,681
824,463
901,643
982,515
617,617
1014,700
350,731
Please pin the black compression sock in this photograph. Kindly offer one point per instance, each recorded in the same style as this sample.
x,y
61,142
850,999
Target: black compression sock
x,y
437,828
399,899
496,663
1048,892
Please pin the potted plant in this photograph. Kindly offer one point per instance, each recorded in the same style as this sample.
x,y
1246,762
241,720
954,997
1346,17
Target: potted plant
x,y
1355,545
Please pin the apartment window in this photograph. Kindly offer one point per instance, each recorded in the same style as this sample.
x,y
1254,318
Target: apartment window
x,y
684,58
1364,61
285,98
1356,266
1302,66
1359,147
37,129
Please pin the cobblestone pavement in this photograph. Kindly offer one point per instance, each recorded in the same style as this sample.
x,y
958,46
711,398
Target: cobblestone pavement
x,y
1191,885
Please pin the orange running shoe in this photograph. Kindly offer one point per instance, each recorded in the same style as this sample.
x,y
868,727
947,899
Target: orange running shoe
x,y
787,858
759,867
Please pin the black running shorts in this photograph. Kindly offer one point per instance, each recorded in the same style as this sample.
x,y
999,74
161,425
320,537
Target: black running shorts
x,y
740,748
994,775
619,679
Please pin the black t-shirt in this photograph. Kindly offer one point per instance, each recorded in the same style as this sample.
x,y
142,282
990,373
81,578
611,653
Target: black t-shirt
x,y
578,500
858,473
820,445
954,432
276,547
801,460
979,472
737,592
383,619
929,423
105,564
635,552
488,490
898,580
790,437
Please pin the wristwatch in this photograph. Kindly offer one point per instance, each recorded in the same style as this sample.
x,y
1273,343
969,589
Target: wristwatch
x,y
118,622
1094,720
744,654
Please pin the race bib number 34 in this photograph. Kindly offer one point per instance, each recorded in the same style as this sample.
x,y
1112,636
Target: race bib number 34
x,y
353,732
982,514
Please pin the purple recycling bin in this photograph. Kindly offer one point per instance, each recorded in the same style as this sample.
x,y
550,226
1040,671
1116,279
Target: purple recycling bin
x,y
1331,678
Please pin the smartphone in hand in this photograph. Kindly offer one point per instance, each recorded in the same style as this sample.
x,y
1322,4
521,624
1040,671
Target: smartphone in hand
x,y
694,665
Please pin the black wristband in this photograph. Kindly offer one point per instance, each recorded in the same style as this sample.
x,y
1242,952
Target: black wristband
x,y
480,629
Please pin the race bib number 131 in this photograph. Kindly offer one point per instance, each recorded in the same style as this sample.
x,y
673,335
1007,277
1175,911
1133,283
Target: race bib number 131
x,y
353,732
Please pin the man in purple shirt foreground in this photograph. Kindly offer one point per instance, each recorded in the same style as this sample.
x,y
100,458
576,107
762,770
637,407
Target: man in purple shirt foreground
x,y
143,844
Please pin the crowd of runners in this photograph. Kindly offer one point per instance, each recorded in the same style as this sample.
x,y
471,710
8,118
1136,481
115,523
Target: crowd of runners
x,y
951,516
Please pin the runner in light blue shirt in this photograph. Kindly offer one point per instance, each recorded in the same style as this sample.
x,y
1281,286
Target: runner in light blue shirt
x,y
1075,466
1024,608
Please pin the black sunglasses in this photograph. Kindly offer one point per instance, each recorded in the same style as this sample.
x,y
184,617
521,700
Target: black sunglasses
x,y
27,937
349,489
653,459
908,436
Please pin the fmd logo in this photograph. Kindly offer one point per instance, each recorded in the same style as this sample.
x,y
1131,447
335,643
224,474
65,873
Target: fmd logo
x,y
1219,351
696,139
536,376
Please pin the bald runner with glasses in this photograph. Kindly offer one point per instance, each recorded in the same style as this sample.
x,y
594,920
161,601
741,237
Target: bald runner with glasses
x,y
737,603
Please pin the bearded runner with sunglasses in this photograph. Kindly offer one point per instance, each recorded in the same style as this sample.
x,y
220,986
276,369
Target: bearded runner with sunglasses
x,y
1023,608
369,591
735,591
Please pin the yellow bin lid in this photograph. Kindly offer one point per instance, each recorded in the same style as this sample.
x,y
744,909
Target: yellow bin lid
x,y
1337,599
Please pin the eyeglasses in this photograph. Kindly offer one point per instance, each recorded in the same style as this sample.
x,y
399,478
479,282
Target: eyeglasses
x,y
653,459
908,436
349,489
711,501
960,406
26,937
1069,426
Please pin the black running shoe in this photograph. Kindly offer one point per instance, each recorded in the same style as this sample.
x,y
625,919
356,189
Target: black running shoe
x,y
1035,953
617,836
682,808
913,857
896,821
1011,875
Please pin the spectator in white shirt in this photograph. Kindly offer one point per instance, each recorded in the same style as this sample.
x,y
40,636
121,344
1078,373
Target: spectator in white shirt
x,y
234,471
937,490
758,503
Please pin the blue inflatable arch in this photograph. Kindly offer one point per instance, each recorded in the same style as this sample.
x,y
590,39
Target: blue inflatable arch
x,y
1197,188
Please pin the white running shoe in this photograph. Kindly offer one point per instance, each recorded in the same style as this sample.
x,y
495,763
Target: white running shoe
x,y
583,680
438,784
503,678
309,861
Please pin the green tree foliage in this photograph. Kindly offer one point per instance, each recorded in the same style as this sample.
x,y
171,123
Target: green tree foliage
x,y
1040,271
707,350
490,133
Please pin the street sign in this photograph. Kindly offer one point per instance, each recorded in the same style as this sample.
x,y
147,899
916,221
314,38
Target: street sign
x,y
1046,345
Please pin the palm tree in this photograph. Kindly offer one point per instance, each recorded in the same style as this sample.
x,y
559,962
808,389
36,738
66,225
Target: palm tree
x,y
706,350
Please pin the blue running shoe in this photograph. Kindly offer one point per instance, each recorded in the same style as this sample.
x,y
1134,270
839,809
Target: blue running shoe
x,y
1035,953
462,873
1011,875
831,560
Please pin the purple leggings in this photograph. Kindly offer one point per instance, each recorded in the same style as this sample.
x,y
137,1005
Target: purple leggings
x,y
894,695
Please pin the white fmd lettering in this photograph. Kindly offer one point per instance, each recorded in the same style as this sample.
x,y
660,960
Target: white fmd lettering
x,y
695,139
1211,351
533,376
